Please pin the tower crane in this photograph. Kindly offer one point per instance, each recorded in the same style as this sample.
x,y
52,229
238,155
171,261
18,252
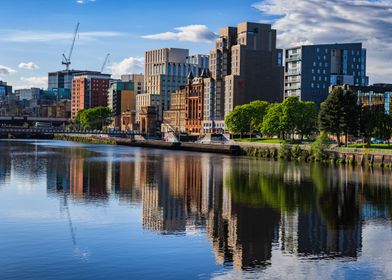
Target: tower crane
x,y
67,60
105,62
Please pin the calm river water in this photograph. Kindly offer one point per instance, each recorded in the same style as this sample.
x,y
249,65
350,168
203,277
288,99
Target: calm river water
x,y
75,211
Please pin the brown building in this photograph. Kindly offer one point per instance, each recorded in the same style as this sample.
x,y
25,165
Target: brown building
x,y
194,105
89,91
186,114
128,121
245,66
148,120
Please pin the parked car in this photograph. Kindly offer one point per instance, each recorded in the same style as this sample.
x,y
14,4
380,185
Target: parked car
x,y
376,141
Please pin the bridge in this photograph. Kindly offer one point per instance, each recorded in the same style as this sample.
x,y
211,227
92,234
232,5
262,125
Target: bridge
x,y
12,120
51,131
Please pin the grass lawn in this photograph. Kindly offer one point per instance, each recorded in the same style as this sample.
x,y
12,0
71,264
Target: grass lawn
x,y
372,146
259,140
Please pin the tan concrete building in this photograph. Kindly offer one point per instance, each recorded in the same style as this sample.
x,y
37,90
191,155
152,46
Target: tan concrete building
x,y
166,70
136,79
145,100
174,119
121,98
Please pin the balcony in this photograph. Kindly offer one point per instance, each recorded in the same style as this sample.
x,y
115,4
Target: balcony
x,y
293,72
294,58
293,87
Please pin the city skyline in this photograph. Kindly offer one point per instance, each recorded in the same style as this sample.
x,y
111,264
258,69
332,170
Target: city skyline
x,y
126,33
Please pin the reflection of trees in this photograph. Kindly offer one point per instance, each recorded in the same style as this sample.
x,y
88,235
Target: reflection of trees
x,y
326,213
259,190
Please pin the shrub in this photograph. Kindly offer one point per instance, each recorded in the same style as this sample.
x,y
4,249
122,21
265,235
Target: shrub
x,y
296,152
284,151
319,147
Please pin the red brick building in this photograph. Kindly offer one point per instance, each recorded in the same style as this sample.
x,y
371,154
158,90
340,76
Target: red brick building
x,y
89,91
194,105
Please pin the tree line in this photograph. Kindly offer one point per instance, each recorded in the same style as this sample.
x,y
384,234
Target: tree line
x,y
287,119
340,115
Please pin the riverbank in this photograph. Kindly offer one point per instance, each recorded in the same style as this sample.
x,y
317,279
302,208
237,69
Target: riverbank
x,y
344,156
348,156
155,144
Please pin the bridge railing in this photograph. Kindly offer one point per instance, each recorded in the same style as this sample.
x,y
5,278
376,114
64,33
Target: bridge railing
x,y
63,131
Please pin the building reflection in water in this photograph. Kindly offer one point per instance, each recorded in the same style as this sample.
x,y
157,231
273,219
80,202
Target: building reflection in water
x,y
245,207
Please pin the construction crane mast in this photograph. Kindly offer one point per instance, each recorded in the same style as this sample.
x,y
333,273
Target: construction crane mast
x,y
67,60
105,62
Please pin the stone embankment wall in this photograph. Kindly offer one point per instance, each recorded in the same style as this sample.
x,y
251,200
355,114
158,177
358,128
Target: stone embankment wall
x,y
361,157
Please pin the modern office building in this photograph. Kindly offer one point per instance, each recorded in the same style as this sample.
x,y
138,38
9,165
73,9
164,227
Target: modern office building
x,y
89,91
5,89
121,98
244,66
136,79
311,70
167,69
28,94
63,79
377,96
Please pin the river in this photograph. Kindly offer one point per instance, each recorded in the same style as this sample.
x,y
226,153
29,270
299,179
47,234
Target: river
x,y
79,211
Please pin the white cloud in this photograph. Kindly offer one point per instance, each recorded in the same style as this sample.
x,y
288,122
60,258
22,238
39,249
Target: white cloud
x,y
337,21
40,82
4,70
28,66
189,33
85,1
127,66
45,36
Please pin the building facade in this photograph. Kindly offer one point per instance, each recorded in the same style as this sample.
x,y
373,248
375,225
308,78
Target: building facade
x,y
244,66
136,79
89,91
63,79
174,119
377,96
311,70
194,105
5,90
167,69
121,98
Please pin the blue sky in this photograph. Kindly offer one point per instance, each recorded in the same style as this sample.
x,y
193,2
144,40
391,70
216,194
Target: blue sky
x,y
35,33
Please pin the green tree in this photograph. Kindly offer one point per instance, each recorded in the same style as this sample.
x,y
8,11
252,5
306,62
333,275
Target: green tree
x,y
258,111
351,115
383,127
319,147
307,122
340,114
272,125
291,115
94,118
239,120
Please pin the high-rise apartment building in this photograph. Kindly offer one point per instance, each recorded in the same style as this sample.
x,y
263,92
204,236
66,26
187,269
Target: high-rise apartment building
x,y
89,91
244,66
311,70
167,69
